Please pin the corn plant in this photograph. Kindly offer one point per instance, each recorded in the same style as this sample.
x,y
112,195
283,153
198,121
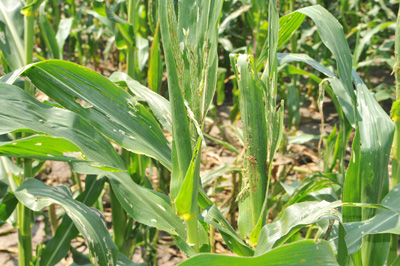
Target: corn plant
x,y
91,112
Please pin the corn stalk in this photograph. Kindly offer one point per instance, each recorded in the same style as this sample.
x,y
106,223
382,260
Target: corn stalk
x,y
23,213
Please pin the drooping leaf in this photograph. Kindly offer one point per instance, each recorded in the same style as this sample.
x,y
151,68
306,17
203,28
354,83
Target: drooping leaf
x,y
339,91
310,184
58,246
36,195
383,222
329,30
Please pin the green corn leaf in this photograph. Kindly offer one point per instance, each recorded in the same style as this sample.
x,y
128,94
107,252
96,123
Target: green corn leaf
x,y
19,110
210,176
142,47
305,252
368,168
331,151
107,22
158,104
215,218
121,261
125,30
288,25
221,86
224,24
12,26
8,203
146,206
297,71
224,144
385,221
181,144
308,185
368,35
43,148
371,149
339,91
63,31
58,246
8,170
270,76
152,15
302,138
284,58
36,195
115,113
155,72
291,220
331,33
203,237
277,134
187,197
190,42
48,34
